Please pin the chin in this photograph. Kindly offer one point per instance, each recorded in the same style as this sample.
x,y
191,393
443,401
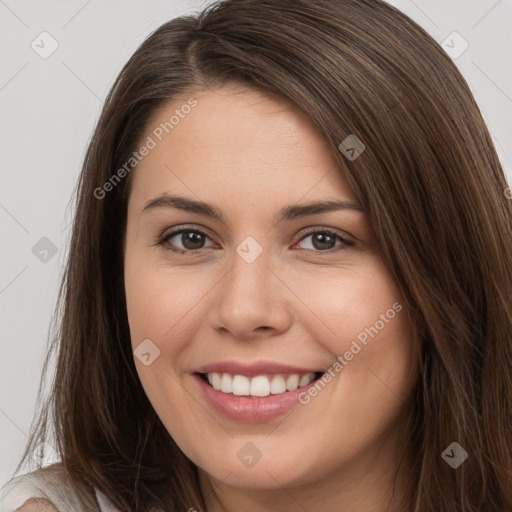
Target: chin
x,y
275,472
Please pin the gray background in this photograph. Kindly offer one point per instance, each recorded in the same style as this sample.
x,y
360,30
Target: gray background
x,y
48,111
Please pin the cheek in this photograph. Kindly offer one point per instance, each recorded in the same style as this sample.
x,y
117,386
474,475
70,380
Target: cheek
x,y
370,337
349,303
159,304
158,301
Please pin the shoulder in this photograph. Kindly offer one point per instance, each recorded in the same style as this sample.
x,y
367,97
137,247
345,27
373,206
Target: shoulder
x,y
37,505
48,489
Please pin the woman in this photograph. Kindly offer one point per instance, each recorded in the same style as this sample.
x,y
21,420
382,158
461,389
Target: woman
x,y
288,286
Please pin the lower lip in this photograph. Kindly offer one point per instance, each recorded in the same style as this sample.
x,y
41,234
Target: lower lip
x,y
250,410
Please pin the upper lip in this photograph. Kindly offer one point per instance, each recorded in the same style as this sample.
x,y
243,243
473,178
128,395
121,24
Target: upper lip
x,y
253,369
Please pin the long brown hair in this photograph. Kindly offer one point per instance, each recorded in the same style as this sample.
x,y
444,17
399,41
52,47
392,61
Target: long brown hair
x,y
429,179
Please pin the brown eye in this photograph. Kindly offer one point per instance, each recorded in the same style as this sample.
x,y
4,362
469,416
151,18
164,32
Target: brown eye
x,y
185,240
325,240
190,240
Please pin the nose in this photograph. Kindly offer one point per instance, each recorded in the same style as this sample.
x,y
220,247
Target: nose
x,y
252,299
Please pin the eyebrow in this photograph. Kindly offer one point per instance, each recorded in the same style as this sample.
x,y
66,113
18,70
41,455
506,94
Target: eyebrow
x,y
288,213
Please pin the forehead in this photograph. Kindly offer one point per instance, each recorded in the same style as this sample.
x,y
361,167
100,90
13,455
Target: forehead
x,y
237,138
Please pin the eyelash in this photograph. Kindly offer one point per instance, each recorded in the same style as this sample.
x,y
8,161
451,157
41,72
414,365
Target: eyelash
x,y
164,239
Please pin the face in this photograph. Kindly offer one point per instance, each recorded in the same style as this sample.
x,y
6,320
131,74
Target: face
x,y
270,338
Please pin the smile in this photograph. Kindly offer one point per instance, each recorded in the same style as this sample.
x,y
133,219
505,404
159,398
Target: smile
x,y
253,393
260,385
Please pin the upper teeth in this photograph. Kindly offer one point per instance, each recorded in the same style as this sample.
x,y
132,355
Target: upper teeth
x,y
260,385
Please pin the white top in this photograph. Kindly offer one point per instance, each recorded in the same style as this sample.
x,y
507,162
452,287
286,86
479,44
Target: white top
x,y
47,484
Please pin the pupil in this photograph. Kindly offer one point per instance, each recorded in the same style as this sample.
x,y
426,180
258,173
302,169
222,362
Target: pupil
x,y
319,241
192,240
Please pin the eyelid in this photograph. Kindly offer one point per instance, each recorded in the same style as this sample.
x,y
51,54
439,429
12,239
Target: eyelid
x,y
319,228
347,241
167,232
165,236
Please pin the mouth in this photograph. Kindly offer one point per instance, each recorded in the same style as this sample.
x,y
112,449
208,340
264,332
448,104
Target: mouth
x,y
258,386
254,392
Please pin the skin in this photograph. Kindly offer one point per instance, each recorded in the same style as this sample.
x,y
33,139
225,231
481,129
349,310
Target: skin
x,y
297,303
